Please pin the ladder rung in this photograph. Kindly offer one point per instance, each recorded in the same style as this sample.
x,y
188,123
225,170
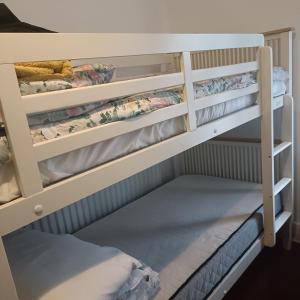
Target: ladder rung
x,y
277,102
281,184
281,147
281,219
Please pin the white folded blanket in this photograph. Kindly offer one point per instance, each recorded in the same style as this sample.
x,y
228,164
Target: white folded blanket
x,y
47,267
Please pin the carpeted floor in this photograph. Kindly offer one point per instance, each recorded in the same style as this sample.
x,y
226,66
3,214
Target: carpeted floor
x,y
274,274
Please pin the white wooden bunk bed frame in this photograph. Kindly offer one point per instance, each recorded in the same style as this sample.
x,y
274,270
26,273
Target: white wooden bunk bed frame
x,y
38,201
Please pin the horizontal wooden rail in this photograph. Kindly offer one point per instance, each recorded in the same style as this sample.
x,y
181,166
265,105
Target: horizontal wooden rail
x,y
94,135
78,96
281,184
278,31
281,147
211,100
210,73
16,47
129,62
282,219
277,102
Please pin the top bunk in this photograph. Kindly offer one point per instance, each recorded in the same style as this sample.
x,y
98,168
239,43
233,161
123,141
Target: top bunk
x,y
204,86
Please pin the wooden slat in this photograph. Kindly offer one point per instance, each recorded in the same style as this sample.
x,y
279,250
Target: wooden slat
x,y
277,102
211,100
210,73
281,147
79,186
73,97
188,92
282,219
281,184
16,47
91,136
133,61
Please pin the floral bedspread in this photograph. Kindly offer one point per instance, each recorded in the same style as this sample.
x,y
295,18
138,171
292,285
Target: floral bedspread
x,y
222,84
112,111
83,75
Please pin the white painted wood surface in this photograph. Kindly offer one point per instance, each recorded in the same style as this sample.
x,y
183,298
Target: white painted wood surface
x,y
287,156
267,143
286,56
282,219
210,73
287,164
29,178
18,47
84,95
281,147
7,285
188,91
281,184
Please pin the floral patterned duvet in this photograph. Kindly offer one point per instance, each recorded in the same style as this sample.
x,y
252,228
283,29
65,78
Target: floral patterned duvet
x,y
112,111
223,84
50,125
83,75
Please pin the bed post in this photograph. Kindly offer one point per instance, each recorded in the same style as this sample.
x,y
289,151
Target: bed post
x,y
267,144
18,132
7,285
286,56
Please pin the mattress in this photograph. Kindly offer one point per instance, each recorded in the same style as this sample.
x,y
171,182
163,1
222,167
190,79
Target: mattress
x,y
74,162
68,164
190,230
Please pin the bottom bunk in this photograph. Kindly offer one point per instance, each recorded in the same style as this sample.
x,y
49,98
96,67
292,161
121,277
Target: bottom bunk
x,y
191,230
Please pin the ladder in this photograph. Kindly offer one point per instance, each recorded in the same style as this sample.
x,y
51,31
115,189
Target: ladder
x,y
284,150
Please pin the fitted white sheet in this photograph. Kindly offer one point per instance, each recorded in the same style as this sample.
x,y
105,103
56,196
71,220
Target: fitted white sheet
x,y
77,161
74,162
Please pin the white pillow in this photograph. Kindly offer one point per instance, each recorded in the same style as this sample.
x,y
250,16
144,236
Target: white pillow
x,y
48,267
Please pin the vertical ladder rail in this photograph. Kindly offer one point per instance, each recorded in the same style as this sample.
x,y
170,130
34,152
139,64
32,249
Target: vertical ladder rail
x,y
7,286
267,144
186,68
286,56
287,165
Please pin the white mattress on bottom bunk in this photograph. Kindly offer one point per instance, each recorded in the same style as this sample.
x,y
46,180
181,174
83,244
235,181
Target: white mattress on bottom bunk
x,y
177,227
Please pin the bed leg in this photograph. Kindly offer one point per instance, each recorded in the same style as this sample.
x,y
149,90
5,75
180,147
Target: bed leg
x,y
7,285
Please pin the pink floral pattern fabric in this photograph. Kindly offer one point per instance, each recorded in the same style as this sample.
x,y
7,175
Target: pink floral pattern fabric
x,y
113,111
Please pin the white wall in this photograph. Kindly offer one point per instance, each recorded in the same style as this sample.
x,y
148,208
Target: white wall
x,y
211,16
90,15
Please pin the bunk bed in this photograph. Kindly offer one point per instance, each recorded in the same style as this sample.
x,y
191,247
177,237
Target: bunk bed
x,y
96,157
